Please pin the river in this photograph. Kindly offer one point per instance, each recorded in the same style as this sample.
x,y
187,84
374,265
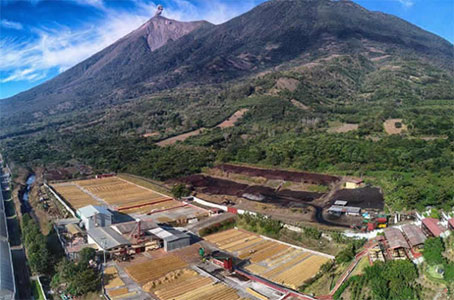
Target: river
x,y
24,194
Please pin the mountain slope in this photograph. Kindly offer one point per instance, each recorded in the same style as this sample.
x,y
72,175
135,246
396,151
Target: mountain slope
x,y
163,53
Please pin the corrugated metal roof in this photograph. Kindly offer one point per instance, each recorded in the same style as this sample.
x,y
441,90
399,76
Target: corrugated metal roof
x,y
168,234
395,238
125,228
6,269
107,238
432,225
414,234
3,226
451,222
91,210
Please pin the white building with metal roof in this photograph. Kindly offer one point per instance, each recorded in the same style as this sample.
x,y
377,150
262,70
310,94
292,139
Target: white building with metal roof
x,y
93,216
172,238
106,239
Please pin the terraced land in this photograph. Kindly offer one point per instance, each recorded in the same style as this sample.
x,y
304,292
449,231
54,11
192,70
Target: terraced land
x,y
280,263
116,192
187,284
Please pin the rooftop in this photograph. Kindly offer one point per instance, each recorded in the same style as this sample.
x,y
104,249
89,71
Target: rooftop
x,y
451,222
127,227
414,234
432,225
107,238
395,238
168,234
91,210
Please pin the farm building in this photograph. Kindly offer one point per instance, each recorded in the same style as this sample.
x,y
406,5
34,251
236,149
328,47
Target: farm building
x,y
431,227
172,239
105,238
7,284
353,183
348,210
128,227
95,216
397,244
415,236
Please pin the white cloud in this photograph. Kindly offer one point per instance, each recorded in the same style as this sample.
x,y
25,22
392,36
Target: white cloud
x,y
61,47
11,24
406,3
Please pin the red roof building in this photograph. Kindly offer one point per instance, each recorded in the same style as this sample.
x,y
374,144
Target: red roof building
x,y
451,224
431,227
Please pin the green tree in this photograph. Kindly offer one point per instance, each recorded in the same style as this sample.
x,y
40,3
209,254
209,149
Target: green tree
x,y
433,249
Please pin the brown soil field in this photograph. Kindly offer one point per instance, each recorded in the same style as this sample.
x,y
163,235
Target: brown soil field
x,y
296,176
286,83
367,197
345,127
298,104
390,126
216,186
230,122
181,137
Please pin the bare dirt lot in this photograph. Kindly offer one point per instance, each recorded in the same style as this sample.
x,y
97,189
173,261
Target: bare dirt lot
x,y
217,186
368,197
390,126
342,128
294,176
230,122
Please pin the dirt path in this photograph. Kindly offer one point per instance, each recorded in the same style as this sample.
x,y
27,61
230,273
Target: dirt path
x,y
230,122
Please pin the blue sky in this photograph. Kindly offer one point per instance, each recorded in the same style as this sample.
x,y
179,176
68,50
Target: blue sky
x,y
41,38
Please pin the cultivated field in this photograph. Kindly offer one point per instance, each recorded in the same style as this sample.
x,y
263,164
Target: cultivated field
x,y
125,196
272,260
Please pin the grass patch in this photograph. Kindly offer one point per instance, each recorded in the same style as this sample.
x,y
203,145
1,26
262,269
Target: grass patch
x,y
37,291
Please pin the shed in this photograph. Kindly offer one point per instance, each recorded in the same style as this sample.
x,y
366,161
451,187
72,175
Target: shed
x,y
7,284
95,216
106,238
172,239
414,235
73,229
430,225
340,203
353,183
395,238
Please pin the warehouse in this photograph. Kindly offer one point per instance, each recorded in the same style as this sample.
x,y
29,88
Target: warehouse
x,y
397,244
107,239
7,285
415,236
348,210
171,239
95,216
